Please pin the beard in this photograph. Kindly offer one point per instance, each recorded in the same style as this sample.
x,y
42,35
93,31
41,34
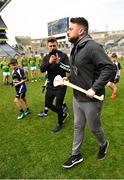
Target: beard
x,y
73,39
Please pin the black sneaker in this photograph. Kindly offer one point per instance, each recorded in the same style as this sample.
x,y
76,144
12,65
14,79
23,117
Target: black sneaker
x,y
57,128
65,115
102,151
75,159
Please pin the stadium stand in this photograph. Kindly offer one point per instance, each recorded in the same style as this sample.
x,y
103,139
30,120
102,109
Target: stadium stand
x,y
8,49
2,53
3,4
5,48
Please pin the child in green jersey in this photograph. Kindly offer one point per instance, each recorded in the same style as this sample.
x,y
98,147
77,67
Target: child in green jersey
x,y
24,64
5,69
39,62
32,62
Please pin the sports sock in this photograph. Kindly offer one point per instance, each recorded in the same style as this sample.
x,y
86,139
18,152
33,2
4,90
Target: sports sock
x,y
21,110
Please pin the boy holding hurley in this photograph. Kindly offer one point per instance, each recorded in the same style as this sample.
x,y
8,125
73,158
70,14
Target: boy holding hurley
x,y
18,80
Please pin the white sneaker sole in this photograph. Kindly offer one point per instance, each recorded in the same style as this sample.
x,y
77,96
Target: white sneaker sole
x,y
21,118
76,162
105,151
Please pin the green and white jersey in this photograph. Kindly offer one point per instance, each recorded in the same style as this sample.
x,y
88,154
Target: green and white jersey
x,y
32,61
5,66
24,62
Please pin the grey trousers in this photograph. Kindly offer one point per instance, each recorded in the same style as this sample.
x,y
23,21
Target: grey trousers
x,y
89,112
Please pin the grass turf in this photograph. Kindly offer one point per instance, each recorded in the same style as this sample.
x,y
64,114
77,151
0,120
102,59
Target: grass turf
x,y
29,149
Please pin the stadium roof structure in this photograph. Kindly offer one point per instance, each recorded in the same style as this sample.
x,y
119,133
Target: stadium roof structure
x,y
3,27
3,4
2,24
6,49
2,53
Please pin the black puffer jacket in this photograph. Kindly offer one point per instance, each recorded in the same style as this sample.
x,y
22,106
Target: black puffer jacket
x,y
90,68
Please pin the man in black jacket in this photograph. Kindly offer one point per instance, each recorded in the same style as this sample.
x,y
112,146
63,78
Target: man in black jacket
x,y
55,63
91,69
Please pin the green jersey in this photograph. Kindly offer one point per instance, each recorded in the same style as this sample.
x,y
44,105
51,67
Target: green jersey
x,y
5,66
24,62
32,61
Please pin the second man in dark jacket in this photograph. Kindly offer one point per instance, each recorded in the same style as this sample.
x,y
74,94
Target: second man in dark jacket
x,y
55,63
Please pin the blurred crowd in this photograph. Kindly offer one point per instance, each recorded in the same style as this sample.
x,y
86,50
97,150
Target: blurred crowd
x,y
30,64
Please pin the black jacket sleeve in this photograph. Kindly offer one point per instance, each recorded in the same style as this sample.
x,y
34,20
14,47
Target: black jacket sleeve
x,y
65,63
104,67
45,65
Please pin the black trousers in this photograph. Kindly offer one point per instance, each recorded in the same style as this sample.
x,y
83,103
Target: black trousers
x,y
58,95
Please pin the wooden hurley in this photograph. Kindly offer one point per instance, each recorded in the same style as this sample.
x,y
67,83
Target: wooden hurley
x,y
58,80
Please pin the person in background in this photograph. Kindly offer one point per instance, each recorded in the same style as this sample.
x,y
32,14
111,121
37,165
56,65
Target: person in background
x,y
18,81
17,57
33,68
45,112
5,69
112,84
39,60
91,69
24,64
55,62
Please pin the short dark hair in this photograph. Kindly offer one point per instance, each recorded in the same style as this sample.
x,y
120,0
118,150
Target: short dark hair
x,y
13,61
51,39
81,21
114,55
16,55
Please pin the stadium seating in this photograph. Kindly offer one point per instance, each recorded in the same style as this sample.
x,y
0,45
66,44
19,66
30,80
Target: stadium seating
x,y
5,48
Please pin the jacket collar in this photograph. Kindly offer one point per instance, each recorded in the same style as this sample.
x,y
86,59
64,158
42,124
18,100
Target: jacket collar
x,y
83,40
